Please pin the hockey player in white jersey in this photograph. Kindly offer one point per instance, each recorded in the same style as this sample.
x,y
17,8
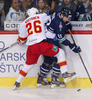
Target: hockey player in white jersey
x,y
32,31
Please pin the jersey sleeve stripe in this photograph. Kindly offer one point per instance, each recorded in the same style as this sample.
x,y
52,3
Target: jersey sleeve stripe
x,y
22,38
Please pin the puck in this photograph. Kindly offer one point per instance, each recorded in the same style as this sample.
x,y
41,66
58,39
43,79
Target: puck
x,y
79,90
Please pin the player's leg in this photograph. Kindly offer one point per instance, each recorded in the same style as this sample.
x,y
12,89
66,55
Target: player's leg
x,y
63,66
55,77
31,59
58,68
49,63
44,70
52,50
23,72
52,61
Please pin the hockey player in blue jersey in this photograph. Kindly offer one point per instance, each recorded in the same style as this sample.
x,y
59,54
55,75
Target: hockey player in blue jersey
x,y
57,26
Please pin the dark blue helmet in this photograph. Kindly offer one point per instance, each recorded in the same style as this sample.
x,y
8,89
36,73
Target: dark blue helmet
x,y
66,12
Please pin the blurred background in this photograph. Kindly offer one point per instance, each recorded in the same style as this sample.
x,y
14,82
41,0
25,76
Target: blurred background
x,y
12,12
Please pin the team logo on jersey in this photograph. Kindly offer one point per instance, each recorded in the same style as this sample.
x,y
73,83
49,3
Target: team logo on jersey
x,y
55,48
60,26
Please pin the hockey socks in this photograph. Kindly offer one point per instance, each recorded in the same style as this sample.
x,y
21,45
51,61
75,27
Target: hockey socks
x,y
23,72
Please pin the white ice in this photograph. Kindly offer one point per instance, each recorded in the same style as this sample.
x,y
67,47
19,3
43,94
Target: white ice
x,y
45,93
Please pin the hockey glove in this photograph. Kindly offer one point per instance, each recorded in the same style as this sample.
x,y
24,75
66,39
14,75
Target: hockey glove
x,y
75,48
68,27
51,12
20,42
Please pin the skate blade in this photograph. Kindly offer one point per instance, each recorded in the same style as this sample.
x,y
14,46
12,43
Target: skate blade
x,y
62,86
15,88
42,85
69,78
54,85
39,85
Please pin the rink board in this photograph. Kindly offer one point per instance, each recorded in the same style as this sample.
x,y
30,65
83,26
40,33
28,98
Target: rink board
x,y
32,82
12,60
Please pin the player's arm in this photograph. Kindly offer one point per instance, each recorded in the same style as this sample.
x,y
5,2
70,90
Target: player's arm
x,y
50,30
45,17
68,26
22,34
21,40
72,46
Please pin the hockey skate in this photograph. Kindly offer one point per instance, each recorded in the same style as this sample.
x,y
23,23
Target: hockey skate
x,y
16,85
68,76
42,81
55,82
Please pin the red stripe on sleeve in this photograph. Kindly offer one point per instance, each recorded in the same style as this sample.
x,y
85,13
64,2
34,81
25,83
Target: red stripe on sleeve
x,y
22,39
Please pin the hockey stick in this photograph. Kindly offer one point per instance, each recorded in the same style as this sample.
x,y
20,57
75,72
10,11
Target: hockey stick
x,y
9,47
81,58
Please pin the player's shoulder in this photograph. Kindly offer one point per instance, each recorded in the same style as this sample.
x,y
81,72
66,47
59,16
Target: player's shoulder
x,y
26,20
58,13
42,14
23,23
34,16
55,15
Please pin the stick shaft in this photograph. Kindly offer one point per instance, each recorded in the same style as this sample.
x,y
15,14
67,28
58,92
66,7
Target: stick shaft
x,y
81,58
8,47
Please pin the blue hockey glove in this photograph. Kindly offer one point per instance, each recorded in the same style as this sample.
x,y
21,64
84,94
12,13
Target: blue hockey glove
x,y
75,48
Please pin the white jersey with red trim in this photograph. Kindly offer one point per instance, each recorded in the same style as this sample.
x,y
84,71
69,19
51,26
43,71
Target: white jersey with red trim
x,y
33,29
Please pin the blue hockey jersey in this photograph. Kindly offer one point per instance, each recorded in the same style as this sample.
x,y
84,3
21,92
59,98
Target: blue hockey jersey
x,y
57,26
